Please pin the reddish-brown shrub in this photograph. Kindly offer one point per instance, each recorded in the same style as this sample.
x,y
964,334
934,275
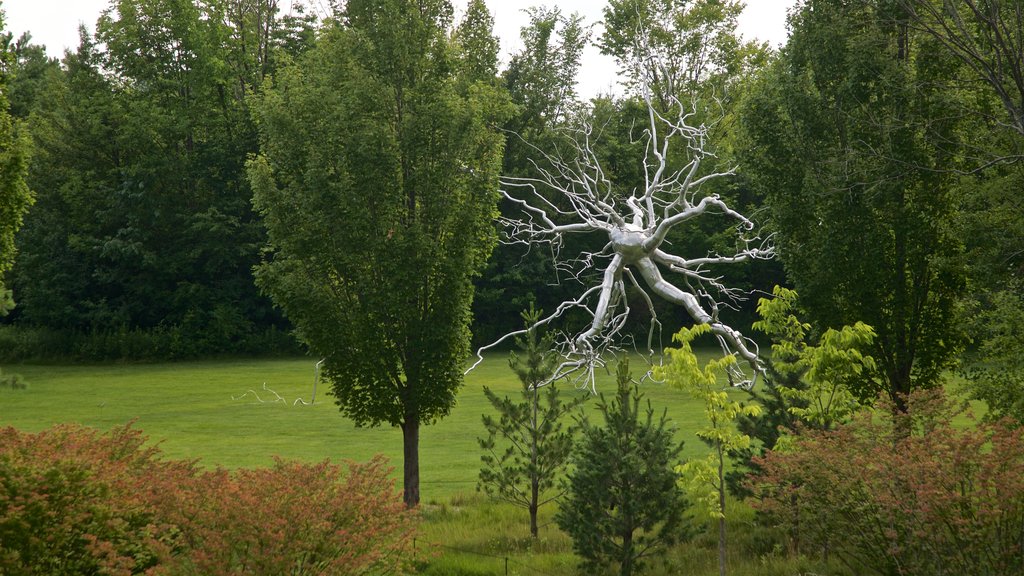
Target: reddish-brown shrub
x,y
905,494
296,519
75,501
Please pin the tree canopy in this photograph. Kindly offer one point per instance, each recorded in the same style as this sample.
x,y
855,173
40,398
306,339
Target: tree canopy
x,y
15,195
851,143
377,182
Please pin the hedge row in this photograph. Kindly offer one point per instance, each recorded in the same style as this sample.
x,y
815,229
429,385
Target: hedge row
x,y
19,344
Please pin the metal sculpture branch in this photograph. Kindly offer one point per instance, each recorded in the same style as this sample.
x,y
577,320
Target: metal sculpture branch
x,y
575,196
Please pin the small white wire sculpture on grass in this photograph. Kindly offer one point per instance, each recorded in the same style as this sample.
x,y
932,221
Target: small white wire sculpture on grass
x,y
278,398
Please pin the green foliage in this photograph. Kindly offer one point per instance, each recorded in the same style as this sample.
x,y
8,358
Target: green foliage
x,y
143,218
537,447
15,195
994,313
807,385
476,46
986,38
624,503
852,142
996,372
73,501
705,479
541,77
827,372
674,47
684,372
378,185
902,493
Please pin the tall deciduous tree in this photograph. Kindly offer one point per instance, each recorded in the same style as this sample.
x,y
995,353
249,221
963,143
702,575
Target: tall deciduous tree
x,y
378,184
859,190
15,196
987,39
693,43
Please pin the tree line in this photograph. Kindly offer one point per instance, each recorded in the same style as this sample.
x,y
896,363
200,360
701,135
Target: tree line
x,y
143,218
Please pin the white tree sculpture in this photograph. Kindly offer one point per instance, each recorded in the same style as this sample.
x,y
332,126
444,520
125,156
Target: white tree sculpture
x,y
574,196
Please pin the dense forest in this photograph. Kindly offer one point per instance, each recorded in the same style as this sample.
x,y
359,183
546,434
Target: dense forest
x,y
880,149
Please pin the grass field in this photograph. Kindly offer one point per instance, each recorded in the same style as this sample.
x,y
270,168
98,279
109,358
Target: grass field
x,y
201,410
194,410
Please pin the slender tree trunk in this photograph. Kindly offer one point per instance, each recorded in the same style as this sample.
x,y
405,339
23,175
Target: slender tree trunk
x,y
721,547
534,469
626,568
533,513
411,462
721,507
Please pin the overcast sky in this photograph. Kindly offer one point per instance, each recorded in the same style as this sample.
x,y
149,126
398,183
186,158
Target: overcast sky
x,y
54,23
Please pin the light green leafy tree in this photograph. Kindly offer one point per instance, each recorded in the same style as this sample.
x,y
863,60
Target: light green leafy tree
x,y
808,383
705,479
378,183
827,371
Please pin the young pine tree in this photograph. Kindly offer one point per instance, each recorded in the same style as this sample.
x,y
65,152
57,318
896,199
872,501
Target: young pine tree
x,y
526,473
624,502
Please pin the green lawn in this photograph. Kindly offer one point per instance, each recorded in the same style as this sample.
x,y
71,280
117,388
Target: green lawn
x,y
193,410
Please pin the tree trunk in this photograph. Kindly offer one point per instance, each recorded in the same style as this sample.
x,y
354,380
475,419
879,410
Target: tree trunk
x,y
721,508
721,547
411,462
533,514
534,468
626,568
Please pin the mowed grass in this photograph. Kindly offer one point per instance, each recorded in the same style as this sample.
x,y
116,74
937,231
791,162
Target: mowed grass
x,y
209,411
